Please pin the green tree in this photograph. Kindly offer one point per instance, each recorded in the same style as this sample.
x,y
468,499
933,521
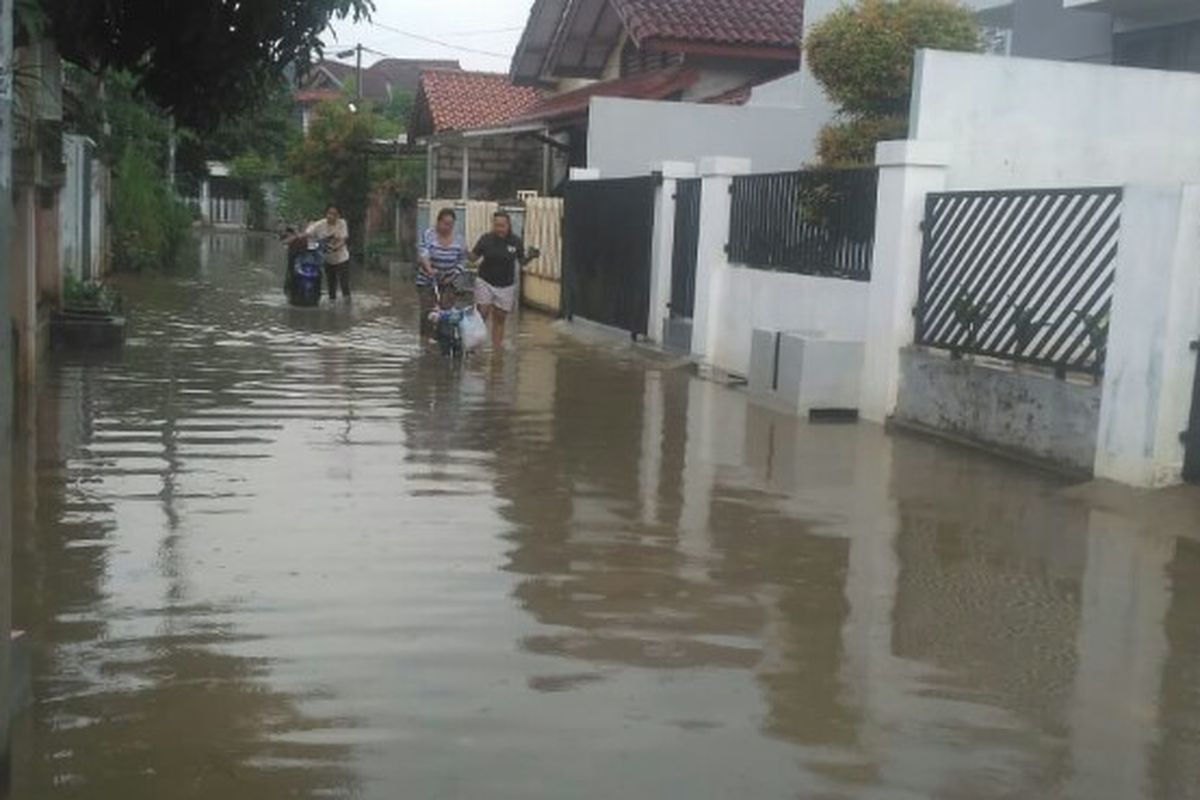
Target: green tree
x,y
201,60
150,226
332,159
863,55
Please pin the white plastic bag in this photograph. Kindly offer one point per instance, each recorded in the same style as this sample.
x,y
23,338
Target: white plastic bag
x,y
473,329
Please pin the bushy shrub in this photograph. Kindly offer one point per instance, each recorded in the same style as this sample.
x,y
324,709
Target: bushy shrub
x,y
863,55
151,228
852,141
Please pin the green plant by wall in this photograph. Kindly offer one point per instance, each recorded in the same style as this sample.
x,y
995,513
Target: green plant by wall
x,y
78,294
151,229
863,55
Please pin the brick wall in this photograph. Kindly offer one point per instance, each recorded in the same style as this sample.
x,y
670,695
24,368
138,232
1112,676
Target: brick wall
x,y
500,167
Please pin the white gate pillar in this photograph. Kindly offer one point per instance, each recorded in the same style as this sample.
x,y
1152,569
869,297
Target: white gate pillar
x,y
711,252
908,171
663,248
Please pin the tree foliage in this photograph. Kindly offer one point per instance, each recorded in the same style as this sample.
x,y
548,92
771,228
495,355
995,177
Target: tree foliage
x,y
332,158
202,60
852,141
149,224
863,55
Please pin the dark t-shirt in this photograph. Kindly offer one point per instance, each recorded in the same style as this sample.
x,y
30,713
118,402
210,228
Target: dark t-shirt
x,y
500,257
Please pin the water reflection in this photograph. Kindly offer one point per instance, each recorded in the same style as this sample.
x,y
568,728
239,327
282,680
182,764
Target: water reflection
x,y
284,552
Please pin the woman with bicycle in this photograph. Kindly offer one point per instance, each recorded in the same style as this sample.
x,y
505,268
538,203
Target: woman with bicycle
x,y
441,258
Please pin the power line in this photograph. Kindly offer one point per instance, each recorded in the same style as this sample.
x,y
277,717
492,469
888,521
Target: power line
x,y
482,32
439,42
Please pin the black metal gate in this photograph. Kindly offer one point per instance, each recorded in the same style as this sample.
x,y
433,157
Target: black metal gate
x,y
608,228
678,327
1191,439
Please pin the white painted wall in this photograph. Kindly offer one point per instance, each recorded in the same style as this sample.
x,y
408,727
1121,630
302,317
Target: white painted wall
x,y
1156,315
630,137
71,237
1028,123
747,298
77,192
908,171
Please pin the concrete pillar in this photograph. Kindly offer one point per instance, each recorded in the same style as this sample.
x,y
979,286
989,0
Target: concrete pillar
x,y
6,394
908,171
47,223
23,298
205,198
1150,367
664,243
430,170
717,174
466,173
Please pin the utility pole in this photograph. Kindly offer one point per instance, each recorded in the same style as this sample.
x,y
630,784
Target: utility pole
x,y
357,53
6,389
358,48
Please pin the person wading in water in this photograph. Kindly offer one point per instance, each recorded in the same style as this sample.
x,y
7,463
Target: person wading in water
x,y
332,230
441,257
498,254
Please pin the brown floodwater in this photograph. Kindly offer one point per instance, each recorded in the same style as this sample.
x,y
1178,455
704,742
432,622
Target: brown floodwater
x,y
279,553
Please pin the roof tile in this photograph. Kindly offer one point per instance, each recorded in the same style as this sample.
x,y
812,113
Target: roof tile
x,y
772,23
459,100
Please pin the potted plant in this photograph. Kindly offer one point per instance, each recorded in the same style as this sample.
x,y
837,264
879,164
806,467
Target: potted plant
x,y
90,318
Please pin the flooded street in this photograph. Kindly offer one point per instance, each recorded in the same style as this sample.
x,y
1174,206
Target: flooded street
x,y
285,553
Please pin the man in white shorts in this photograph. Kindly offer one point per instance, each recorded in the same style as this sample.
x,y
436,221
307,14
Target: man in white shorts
x,y
498,254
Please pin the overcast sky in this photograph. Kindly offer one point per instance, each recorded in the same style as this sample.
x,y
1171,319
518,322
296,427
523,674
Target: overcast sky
x,y
481,34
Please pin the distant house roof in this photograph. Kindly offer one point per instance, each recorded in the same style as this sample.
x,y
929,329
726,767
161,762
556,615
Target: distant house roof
x,y
454,100
381,80
403,74
660,84
574,38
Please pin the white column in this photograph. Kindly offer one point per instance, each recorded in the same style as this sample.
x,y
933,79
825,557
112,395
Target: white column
x,y
205,209
664,243
712,258
430,170
908,171
466,172
1150,366
6,393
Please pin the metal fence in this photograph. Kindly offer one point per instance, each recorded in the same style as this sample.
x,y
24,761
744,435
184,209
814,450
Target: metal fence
x,y
608,228
686,247
813,222
1024,276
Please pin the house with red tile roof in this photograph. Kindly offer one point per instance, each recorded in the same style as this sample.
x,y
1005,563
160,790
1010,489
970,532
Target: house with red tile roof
x,y
454,114
575,52
385,79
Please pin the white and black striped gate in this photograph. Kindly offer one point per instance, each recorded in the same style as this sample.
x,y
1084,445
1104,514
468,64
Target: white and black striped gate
x,y
1024,276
